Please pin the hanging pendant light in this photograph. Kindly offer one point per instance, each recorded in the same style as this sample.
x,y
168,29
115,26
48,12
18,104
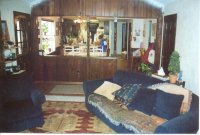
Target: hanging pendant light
x,y
79,20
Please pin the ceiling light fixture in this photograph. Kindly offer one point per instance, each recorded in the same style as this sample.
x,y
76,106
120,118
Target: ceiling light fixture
x,y
80,20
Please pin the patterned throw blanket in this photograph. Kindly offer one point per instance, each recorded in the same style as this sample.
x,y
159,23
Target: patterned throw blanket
x,y
135,121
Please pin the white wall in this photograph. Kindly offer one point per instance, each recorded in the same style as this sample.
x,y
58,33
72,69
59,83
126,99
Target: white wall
x,y
7,7
187,39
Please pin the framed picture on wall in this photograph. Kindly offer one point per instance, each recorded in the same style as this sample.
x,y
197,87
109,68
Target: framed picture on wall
x,y
5,35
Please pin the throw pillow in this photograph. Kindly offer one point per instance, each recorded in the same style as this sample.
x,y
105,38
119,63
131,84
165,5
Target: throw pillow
x,y
175,89
127,93
143,101
167,105
106,89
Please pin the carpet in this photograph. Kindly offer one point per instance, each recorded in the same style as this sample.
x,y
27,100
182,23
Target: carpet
x,y
70,117
70,89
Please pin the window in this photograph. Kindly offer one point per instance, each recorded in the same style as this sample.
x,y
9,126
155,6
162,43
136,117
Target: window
x,y
47,40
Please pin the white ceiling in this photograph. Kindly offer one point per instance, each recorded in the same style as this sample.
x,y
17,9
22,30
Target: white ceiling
x,y
164,2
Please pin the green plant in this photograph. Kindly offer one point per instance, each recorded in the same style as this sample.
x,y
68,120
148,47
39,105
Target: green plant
x,y
174,63
45,46
45,27
145,68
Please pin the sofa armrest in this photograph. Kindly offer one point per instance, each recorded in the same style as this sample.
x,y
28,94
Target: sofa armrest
x,y
37,97
91,86
186,123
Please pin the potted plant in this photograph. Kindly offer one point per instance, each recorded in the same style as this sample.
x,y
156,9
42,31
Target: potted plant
x,y
145,68
174,66
44,28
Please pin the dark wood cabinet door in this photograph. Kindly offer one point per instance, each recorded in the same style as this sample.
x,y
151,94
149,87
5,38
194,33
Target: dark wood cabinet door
x,y
62,69
50,68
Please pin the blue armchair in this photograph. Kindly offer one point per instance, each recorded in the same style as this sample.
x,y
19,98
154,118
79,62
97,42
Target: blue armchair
x,y
20,103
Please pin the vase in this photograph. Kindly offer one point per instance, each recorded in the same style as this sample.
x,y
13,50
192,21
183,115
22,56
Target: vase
x,y
173,78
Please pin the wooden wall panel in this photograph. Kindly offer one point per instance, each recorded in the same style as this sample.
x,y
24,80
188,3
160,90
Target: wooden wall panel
x,y
130,8
54,7
113,7
122,8
38,68
109,68
106,7
70,7
88,7
50,68
101,68
97,7
158,42
73,69
94,68
62,69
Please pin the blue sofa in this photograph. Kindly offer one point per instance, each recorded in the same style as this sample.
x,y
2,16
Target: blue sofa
x,y
20,103
186,123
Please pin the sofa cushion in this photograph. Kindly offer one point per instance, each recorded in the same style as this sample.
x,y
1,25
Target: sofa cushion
x,y
167,105
143,101
124,77
106,89
127,93
175,89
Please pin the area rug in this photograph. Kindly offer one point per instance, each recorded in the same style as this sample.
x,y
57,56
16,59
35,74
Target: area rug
x,y
69,89
65,98
70,117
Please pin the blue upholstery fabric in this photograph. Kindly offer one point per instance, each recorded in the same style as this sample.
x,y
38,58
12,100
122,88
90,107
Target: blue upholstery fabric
x,y
189,121
186,123
118,129
167,105
143,101
20,104
16,87
127,93
123,77
37,97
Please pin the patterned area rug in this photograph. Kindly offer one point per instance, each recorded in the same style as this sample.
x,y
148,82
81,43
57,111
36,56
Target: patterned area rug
x,y
70,117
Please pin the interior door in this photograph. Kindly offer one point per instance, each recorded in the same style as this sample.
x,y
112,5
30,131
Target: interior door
x,y
168,39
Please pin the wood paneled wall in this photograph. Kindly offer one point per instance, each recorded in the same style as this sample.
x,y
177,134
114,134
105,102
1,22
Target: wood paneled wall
x,y
110,8
73,69
48,68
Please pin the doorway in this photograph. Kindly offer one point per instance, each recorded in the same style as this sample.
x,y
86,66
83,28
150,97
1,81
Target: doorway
x,y
22,31
168,39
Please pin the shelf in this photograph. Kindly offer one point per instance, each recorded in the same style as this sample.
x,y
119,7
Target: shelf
x,y
163,78
10,48
9,61
19,72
